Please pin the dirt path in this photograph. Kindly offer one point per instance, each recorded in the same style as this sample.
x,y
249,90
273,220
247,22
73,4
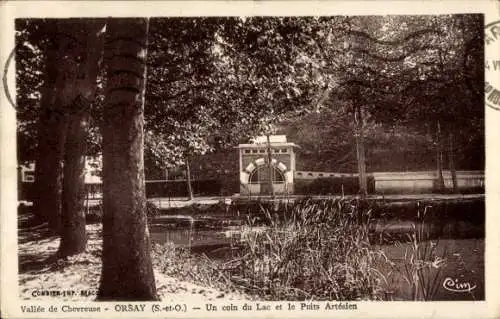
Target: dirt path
x,y
176,202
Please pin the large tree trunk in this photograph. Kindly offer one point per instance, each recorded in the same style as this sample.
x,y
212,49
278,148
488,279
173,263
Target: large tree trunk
x,y
48,169
127,272
51,134
73,234
188,180
360,151
439,158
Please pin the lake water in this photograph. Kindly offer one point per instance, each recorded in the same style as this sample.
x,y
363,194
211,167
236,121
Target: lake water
x,y
205,234
463,241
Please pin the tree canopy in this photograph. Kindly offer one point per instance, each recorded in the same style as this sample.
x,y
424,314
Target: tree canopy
x,y
215,81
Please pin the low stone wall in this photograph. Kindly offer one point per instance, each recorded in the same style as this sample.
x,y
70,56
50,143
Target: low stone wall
x,y
426,181
404,182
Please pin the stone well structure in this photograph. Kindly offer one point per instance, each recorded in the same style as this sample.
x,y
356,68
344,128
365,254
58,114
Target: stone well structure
x,y
254,167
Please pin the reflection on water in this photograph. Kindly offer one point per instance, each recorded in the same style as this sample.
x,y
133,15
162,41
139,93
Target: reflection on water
x,y
190,237
205,235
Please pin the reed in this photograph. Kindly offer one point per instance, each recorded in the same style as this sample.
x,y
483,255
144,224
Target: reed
x,y
422,262
313,250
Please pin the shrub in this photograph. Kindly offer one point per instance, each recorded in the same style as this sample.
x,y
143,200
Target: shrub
x,y
209,187
332,185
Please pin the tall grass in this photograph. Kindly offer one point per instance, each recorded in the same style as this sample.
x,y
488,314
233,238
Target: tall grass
x,y
312,250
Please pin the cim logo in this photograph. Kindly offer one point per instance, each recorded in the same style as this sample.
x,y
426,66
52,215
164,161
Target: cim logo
x,y
456,286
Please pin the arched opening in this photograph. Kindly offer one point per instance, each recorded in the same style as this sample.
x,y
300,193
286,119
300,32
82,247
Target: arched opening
x,y
260,175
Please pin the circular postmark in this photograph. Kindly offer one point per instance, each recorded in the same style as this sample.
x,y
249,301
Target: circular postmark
x,y
5,83
492,65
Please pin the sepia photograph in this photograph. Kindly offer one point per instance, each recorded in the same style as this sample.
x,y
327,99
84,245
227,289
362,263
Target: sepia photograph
x,y
299,158
249,163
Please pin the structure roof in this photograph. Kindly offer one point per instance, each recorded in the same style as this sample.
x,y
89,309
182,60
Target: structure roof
x,y
263,145
272,138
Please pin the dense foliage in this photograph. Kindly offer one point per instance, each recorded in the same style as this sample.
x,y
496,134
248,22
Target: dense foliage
x,y
213,82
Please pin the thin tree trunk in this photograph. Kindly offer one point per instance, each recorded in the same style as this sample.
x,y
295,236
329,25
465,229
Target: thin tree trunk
x,y
73,234
188,179
451,161
441,101
167,188
360,151
270,165
127,272
439,158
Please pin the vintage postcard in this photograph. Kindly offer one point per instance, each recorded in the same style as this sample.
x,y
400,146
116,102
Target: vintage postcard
x,y
267,159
